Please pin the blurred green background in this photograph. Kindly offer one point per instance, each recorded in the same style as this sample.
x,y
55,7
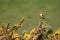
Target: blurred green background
x,y
11,11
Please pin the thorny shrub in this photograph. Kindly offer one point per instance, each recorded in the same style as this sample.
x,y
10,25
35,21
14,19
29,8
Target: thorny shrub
x,y
41,32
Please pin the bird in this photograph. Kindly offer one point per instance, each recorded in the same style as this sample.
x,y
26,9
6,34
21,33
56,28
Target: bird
x,y
42,16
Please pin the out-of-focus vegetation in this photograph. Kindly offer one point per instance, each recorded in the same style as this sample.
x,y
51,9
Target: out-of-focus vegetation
x,y
41,32
12,10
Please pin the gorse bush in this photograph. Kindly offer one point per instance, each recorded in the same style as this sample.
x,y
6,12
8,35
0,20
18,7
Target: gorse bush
x,y
41,32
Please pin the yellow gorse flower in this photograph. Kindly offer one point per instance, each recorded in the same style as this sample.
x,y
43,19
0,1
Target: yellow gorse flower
x,y
32,31
17,25
0,29
21,22
17,39
26,36
57,32
15,35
